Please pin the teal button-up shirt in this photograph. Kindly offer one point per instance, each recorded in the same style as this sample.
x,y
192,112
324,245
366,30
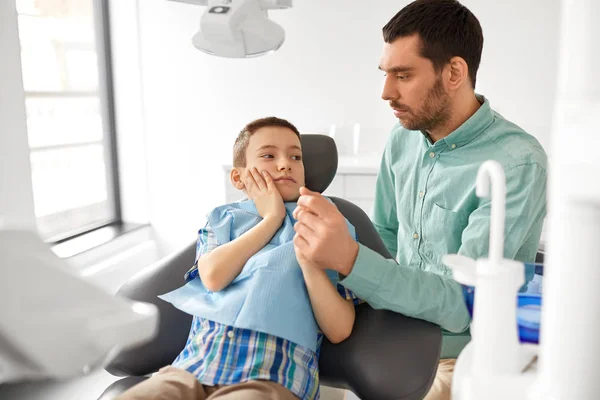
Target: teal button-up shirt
x,y
426,207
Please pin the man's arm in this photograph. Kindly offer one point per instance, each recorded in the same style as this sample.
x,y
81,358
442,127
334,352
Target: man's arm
x,y
322,238
385,218
439,299
414,292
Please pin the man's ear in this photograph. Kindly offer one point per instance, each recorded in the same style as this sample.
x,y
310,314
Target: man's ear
x,y
457,73
236,178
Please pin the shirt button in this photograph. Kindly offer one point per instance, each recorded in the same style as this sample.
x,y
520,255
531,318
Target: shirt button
x,y
230,334
416,235
432,154
421,194
453,146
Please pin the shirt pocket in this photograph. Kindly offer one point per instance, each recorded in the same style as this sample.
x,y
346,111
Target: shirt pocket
x,y
442,231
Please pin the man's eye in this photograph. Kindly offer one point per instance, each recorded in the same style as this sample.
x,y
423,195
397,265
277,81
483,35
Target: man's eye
x,y
402,77
266,156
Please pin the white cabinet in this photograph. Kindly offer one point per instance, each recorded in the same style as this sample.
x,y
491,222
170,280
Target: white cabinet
x,y
337,186
359,186
354,181
356,188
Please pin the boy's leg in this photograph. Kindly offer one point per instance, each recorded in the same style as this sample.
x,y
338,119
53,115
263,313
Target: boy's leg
x,y
169,383
440,390
253,390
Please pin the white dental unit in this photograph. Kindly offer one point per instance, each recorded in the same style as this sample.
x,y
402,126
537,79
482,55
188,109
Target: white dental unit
x,y
495,365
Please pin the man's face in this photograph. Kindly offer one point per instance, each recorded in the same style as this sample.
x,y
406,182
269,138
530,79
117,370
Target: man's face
x,y
412,87
277,150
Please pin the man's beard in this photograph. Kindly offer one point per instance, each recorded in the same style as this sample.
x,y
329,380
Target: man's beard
x,y
434,113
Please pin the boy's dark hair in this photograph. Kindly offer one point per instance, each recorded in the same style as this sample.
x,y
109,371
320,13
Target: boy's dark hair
x,y
241,143
446,28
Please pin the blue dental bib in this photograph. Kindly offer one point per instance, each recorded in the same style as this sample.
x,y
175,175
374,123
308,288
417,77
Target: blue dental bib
x,y
269,294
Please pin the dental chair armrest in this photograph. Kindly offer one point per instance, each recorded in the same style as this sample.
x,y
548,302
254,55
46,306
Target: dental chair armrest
x,y
174,325
388,356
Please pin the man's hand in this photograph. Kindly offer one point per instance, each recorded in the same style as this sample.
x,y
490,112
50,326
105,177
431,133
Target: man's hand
x,y
266,197
322,238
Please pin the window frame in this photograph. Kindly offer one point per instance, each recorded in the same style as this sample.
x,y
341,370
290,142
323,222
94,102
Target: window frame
x,y
105,94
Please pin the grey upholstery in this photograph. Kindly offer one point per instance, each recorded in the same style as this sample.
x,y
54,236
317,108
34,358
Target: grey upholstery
x,y
174,325
388,355
320,159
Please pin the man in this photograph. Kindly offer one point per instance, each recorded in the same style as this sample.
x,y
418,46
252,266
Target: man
x,y
425,201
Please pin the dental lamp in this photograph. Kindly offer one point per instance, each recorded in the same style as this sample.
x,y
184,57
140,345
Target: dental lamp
x,y
238,28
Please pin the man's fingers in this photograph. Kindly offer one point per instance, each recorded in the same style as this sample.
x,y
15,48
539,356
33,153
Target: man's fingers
x,y
316,204
310,220
305,191
297,211
301,243
303,230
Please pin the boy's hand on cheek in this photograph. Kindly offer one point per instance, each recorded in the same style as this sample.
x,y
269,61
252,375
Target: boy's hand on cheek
x,y
261,189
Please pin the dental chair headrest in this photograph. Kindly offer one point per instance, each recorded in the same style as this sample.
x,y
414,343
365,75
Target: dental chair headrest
x,y
320,156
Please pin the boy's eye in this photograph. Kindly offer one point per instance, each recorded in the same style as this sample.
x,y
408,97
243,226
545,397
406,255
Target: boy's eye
x,y
266,156
297,158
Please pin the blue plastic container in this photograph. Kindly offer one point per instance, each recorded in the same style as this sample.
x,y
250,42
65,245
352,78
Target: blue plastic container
x,y
529,303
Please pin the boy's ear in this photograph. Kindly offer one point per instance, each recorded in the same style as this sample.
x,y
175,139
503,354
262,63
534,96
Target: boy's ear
x,y
236,178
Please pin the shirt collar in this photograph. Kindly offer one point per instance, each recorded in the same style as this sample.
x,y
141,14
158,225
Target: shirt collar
x,y
472,127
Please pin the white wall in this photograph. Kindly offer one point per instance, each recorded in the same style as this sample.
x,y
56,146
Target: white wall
x,y
519,67
129,112
326,72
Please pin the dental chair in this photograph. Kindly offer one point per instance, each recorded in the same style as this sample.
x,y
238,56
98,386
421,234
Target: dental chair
x,y
388,355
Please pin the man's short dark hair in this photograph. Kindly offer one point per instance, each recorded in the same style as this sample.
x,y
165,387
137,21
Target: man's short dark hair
x,y
446,29
241,142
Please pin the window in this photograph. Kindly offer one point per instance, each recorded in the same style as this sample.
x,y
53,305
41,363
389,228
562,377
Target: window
x,y
64,54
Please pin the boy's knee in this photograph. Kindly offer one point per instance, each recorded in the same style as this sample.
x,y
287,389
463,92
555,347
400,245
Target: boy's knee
x,y
168,383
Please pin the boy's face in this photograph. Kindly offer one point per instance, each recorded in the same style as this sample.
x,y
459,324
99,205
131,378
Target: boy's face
x,y
277,150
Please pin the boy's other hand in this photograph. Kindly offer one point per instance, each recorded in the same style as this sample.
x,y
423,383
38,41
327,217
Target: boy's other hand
x,y
262,190
304,262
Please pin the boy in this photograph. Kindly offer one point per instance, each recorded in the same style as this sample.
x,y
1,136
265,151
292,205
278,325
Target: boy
x,y
246,271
